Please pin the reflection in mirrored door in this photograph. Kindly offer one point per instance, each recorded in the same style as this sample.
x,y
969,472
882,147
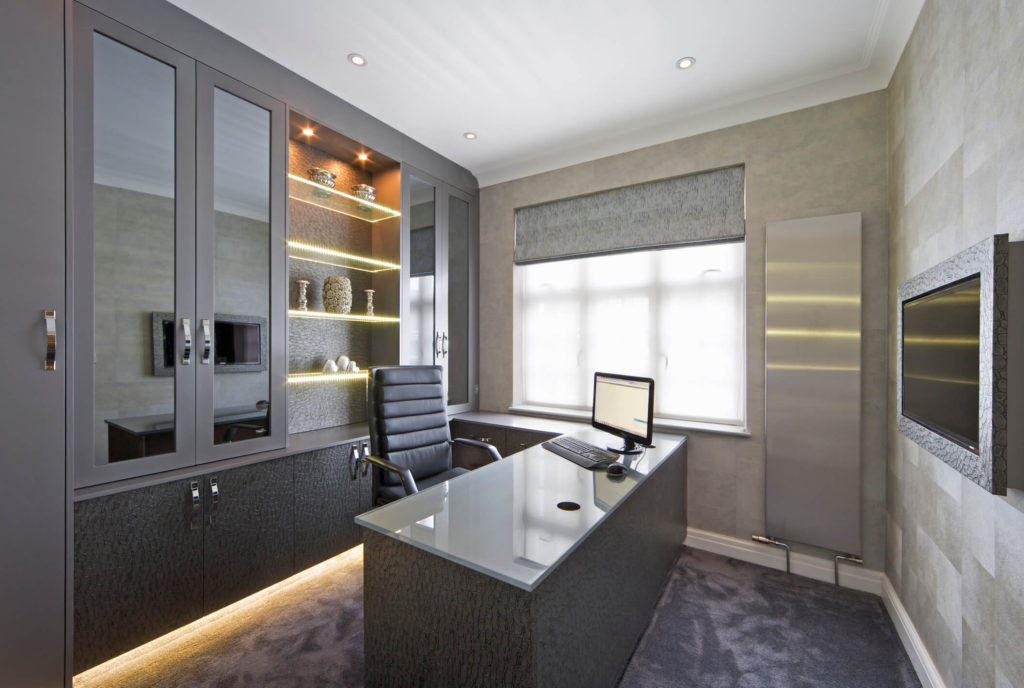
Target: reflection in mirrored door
x,y
133,223
422,242
241,270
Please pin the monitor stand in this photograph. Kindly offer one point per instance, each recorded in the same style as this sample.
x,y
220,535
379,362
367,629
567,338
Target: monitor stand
x,y
628,447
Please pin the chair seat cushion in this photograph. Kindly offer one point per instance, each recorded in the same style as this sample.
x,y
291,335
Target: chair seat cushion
x,y
389,493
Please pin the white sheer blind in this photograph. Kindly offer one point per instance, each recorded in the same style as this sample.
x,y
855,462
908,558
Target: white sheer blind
x,y
676,315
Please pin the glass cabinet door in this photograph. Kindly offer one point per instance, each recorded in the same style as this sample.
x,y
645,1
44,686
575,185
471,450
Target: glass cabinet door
x,y
133,252
240,268
422,332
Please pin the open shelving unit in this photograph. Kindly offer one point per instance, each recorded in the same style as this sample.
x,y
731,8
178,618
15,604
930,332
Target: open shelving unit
x,y
333,232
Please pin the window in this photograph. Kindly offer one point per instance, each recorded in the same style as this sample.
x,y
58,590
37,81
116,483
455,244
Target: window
x,y
676,315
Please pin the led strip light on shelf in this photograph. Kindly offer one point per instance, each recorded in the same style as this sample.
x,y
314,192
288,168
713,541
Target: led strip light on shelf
x,y
360,201
324,377
383,264
342,316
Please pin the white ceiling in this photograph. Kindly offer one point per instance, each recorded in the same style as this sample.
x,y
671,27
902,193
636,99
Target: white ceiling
x,y
549,83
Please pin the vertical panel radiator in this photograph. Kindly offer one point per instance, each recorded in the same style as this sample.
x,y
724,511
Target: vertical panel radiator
x,y
812,381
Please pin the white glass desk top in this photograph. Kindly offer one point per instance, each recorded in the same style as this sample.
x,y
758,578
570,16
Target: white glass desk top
x,y
503,519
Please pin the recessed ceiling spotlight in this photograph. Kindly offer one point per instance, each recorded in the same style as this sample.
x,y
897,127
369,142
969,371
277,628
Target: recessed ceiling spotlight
x,y
307,131
357,59
686,62
364,157
470,135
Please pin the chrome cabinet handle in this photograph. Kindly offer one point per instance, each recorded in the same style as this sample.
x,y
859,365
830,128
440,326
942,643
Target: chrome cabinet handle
x,y
207,342
214,498
186,353
444,345
437,344
50,362
197,508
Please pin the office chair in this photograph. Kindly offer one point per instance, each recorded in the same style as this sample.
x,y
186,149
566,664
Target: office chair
x,y
409,437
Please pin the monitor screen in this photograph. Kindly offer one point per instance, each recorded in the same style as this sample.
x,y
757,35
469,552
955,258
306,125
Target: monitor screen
x,y
624,406
941,331
236,343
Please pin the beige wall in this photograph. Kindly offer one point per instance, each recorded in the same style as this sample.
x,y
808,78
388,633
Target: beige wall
x,y
956,157
819,161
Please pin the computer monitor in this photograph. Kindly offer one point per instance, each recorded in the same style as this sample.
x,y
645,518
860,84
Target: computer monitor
x,y
624,407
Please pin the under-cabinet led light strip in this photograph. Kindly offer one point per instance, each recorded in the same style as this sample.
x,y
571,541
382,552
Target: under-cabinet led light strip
x,y
324,377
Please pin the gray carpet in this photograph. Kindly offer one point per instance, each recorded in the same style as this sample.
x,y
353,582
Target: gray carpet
x,y
723,623
720,623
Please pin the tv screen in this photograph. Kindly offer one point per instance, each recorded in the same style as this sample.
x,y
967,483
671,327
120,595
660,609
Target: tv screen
x,y
236,343
941,339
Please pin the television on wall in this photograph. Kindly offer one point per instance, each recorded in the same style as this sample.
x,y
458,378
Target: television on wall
x,y
952,364
941,339
239,343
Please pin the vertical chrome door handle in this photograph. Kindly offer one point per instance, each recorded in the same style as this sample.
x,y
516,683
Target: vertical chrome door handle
x,y
437,344
197,509
214,498
207,342
444,344
186,352
50,362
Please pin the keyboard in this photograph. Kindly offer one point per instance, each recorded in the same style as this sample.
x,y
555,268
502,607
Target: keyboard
x,y
579,452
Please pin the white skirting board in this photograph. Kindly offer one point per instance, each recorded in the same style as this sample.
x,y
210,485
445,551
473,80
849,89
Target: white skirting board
x,y
854,577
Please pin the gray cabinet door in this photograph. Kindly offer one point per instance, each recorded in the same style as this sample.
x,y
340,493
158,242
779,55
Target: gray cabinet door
x,y
32,493
329,493
519,439
250,522
133,252
240,270
138,569
439,280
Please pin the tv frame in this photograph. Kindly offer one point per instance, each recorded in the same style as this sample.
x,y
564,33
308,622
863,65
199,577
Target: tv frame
x,y
160,370
989,259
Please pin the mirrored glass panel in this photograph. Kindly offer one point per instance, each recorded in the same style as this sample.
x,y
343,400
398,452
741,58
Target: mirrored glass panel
x,y
133,264
240,330
456,341
422,271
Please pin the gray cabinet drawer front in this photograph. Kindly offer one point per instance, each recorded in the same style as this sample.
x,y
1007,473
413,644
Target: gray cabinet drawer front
x,y
518,439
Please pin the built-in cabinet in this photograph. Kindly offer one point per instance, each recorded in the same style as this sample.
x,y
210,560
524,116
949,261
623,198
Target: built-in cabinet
x,y
439,258
153,559
178,259
507,440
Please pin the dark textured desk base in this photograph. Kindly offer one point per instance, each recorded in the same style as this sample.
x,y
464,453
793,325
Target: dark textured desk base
x,y
432,622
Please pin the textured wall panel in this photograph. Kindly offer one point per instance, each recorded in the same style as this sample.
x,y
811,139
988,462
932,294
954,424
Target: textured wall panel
x,y
707,206
138,570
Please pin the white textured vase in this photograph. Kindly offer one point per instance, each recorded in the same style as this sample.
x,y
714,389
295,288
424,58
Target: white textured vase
x,y
337,294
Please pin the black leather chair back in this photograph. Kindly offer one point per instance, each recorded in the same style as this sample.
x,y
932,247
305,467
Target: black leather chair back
x,y
406,410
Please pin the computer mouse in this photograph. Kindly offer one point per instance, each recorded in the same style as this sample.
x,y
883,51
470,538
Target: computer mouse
x,y
616,470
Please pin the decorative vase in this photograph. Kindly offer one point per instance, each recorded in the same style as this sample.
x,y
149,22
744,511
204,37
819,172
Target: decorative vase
x,y
342,362
337,294
330,367
322,177
303,300
365,192
369,301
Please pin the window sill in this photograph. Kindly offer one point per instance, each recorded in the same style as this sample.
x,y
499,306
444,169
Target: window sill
x,y
660,425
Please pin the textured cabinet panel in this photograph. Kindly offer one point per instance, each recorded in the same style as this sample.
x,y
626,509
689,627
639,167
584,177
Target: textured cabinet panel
x,y
248,532
327,500
517,440
138,569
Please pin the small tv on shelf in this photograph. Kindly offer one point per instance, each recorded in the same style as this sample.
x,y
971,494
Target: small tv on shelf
x,y
941,338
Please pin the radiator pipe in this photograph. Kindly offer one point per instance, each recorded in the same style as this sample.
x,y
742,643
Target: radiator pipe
x,y
852,558
766,540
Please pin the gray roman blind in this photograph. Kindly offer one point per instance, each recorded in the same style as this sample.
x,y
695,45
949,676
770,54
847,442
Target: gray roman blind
x,y
707,206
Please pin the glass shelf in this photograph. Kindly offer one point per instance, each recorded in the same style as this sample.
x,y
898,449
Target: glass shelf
x,y
327,198
328,256
342,316
296,378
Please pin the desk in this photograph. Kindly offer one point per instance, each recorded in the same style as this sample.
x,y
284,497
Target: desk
x,y
138,436
484,581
